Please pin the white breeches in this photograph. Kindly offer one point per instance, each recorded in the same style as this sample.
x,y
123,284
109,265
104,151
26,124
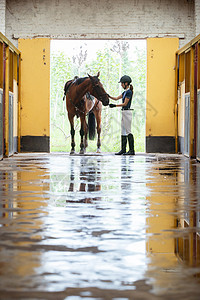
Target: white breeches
x,y
126,122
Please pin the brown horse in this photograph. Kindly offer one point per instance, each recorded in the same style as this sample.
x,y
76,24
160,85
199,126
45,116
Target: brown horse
x,y
79,103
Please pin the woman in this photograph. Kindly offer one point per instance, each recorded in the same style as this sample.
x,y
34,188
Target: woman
x,y
126,97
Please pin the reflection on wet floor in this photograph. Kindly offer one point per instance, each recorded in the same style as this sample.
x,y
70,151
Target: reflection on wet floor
x,y
99,227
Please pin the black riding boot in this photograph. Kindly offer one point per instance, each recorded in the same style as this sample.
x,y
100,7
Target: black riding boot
x,y
123,145
131,145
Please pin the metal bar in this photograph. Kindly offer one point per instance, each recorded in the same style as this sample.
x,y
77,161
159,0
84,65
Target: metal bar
x,y
191,120
7,102
195,97
19,105
4,68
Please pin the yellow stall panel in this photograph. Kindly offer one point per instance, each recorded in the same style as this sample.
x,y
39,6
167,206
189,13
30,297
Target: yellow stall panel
x,y
35,94
160,125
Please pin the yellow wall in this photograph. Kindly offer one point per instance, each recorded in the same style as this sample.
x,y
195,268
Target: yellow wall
x,y
35,91
160,86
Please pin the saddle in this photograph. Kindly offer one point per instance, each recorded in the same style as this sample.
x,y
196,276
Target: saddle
x,y
67,85
89,96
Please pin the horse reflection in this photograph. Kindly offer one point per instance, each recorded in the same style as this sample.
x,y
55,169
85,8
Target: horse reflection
x,y
88,181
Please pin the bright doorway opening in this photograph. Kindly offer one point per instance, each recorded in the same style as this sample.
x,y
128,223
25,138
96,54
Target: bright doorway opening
x,y
113,58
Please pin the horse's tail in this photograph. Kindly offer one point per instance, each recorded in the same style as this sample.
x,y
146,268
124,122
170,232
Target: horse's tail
x,y
65,91
91,125
66,87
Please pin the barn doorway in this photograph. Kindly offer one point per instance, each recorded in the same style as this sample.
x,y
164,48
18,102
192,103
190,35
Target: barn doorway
x,y
113,58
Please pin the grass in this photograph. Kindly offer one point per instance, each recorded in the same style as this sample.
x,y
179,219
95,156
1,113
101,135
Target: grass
x,y
110,134
109,143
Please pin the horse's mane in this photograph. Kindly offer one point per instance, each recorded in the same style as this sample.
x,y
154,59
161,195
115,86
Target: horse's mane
x,y
76,81
80,80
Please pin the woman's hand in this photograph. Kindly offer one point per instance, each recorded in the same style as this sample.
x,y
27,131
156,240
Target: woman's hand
x,y
112,105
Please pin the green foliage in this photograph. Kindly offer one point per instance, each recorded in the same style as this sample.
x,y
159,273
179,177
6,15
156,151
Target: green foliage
x,y
113,61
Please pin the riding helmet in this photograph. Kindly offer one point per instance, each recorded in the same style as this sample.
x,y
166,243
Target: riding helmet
x,y
125,78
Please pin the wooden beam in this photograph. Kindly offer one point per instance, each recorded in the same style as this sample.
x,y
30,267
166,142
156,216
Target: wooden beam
x,y
189,45
9,44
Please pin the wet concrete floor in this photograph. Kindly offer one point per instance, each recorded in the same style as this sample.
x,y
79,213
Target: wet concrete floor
x,y
99,227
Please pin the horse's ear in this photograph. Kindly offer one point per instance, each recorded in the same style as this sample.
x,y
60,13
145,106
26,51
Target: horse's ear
x,y
89,76
98,74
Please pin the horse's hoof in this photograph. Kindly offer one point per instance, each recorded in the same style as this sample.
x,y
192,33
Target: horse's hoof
x,y
72,152
98,150
82,151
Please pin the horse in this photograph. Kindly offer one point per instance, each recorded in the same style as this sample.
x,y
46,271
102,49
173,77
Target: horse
x,y
79,103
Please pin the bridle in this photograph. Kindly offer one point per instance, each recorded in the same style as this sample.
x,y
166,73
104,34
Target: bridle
x,y
97,88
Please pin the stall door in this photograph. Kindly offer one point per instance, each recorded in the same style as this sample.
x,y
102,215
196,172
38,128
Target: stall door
x,y
198,126
187,125
1,123
35,103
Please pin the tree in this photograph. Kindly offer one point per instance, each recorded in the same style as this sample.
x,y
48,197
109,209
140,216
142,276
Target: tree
x,y
121,47
79,58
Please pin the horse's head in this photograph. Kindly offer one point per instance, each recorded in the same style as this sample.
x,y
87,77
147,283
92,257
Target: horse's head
x,y
97,90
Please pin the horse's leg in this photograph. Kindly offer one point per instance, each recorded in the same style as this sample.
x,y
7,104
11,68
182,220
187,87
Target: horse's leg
x,y
82,148
97,113
72,131
88,106
82,177
71,186
86,134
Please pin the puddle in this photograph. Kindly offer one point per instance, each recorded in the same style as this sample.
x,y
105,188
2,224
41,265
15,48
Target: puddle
x,y
99,227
